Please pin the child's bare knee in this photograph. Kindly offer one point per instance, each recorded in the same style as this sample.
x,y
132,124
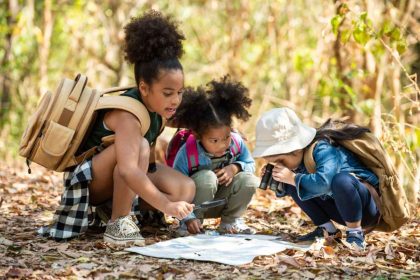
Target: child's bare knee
x,y
189,189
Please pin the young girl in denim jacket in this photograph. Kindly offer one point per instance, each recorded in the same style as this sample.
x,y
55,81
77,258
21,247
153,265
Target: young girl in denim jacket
x,y
336,191
208,113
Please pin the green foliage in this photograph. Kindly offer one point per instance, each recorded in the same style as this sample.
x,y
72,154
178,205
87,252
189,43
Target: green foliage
x,y
303,61
282,51
363,31
335,22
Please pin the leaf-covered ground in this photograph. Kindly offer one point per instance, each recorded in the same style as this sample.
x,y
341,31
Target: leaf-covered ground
x,y
28,201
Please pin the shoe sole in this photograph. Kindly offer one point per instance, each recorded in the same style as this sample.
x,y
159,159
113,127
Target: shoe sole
x,y
124,242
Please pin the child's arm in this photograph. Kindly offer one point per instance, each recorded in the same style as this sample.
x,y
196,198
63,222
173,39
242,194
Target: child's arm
x,y
328,164
245,160
132,171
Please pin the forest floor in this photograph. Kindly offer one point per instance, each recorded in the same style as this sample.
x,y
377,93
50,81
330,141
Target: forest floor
x,y
27,201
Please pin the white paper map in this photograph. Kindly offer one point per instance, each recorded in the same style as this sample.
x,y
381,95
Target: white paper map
x,y
232,249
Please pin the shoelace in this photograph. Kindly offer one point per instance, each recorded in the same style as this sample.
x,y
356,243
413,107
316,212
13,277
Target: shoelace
x,y
127,226
357,234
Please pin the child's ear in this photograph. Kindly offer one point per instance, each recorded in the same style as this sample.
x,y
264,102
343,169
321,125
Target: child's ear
x,y
143,88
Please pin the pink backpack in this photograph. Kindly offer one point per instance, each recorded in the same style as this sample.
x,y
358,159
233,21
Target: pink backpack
x,y
186,136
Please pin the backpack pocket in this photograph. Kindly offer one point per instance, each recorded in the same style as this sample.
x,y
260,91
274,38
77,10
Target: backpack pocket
x,y
34,126
53,145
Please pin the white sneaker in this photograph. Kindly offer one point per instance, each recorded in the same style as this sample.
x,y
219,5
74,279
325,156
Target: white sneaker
x,y
238,226
123,231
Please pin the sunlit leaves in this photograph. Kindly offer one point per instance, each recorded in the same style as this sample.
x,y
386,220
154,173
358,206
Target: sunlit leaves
x,y
401,46
362,31
345,36
386,28
360,34
395,34
303,61
335,22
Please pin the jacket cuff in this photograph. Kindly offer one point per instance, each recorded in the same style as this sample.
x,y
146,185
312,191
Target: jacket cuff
x,y
240,164
298,178
189,217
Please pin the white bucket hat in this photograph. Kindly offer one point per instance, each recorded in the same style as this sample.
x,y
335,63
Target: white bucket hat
x,y
280,131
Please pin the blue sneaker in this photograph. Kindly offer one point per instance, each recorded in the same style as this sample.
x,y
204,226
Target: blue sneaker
x,y
356,238
320,232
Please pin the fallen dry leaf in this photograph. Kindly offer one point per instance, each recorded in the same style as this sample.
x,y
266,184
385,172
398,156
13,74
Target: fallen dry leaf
x,y
288,260
27,202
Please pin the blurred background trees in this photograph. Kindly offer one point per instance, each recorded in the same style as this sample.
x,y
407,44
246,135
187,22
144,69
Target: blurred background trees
x,y
354,59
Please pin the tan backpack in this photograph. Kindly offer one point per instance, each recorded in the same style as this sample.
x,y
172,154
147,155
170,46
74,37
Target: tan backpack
x,y
391,200
56,130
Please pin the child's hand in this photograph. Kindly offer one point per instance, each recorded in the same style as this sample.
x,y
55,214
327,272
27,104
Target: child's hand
x,y
194,226
226,174
178,209
283,174
262,171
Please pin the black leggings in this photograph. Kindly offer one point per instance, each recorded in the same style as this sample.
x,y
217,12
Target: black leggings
x,y
351,202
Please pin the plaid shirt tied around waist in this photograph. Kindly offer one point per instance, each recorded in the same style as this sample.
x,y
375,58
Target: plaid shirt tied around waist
x,y
74,214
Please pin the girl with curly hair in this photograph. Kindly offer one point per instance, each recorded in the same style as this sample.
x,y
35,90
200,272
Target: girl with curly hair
x,y
225,166
126,169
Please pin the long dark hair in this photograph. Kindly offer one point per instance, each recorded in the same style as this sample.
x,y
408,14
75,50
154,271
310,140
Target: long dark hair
x,y
152,42
336,130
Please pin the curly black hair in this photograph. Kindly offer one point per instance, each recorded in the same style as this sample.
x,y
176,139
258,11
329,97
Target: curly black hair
x,y
152,42
213,105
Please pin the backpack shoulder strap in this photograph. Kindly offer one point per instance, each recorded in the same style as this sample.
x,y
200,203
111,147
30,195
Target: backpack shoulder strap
x,y
308,158
118,102
236,147
192,153
127,104
117,89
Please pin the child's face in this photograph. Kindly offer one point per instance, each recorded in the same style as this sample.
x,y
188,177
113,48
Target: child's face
x,y
290,160
164,95
216,140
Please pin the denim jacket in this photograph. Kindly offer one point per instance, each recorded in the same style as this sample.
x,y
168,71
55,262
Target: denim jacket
x,y
243,159
330,160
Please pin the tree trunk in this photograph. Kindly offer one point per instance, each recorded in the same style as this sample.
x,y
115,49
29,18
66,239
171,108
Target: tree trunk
x,y
377,109
340,71
44,49
5,79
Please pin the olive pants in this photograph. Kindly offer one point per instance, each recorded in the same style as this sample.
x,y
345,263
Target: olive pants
x,y
239,193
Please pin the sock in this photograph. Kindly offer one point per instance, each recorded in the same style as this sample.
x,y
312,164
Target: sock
x,y
354,229
329,226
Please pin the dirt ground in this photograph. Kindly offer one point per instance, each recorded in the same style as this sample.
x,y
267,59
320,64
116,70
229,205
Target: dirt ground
x,y
28,201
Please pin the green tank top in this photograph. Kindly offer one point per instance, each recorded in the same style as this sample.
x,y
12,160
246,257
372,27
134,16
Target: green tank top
x,y
99,130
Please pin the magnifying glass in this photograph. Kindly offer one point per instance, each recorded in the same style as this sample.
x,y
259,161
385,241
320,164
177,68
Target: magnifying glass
x,y
211,204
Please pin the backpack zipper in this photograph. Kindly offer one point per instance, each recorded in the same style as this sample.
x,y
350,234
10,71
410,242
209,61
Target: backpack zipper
x,y
36,144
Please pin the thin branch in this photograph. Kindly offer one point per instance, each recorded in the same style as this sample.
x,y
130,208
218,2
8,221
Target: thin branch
x,y
396,58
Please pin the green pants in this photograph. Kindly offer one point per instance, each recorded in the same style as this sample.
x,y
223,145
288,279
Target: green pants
x,y
239,193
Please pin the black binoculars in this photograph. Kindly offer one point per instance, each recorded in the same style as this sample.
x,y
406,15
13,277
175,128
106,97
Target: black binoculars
x,y
268,181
